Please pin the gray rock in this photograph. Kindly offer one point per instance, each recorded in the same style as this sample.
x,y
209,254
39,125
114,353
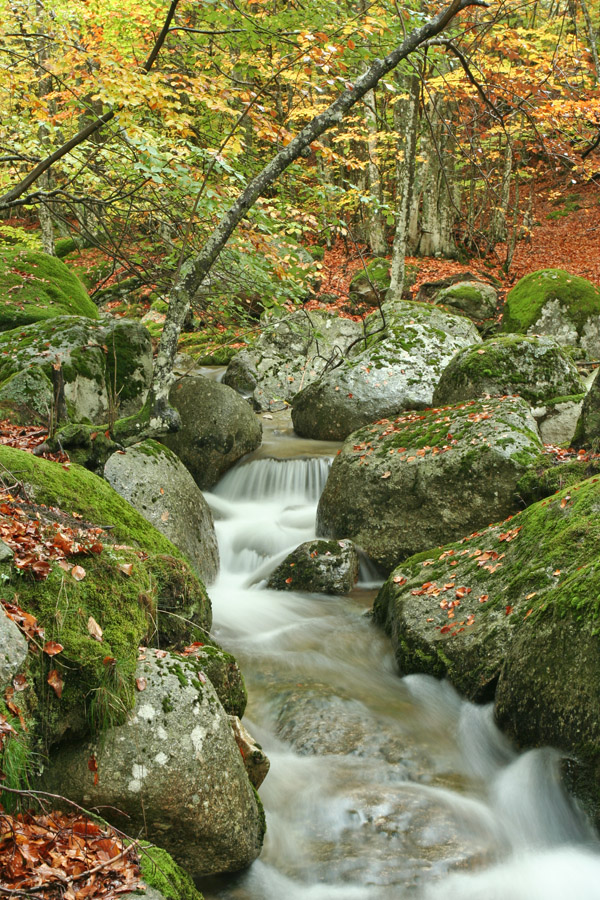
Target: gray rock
x,y
156,483
175,769
13,649
476,299
398,371
94,356
369,284
320,567
557,419
291,353
535,368
217,428
27,397
6,554
587,430
424,478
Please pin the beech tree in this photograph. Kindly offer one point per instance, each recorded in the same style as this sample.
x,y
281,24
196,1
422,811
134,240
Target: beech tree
x,y
158,416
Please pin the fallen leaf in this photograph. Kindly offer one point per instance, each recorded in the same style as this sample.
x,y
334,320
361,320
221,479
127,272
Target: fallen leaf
x,y
78,573
386,474
165,516
52,648
93,767
399,579
141,684
126,568
19,682
55,682
94,629
509,609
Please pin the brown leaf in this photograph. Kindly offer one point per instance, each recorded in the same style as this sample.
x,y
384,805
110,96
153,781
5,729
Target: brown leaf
x,y
141,684
165,516
94,629
20,683
78,573
126,568
55,682
93,767
386,474
52,648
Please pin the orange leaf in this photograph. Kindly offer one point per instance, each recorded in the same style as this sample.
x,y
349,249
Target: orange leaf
x,y
78,573
52,648
55,682
140,684
126,568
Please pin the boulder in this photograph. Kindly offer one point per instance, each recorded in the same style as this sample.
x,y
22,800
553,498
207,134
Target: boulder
x,y
220,667
425,478
557,419
368,287
132,577
291,353
95,356
319,567
476,299
511,613
399,370
156,483
217,428
163,877
13,649
27,397
553,302
35,286
535,368
173,768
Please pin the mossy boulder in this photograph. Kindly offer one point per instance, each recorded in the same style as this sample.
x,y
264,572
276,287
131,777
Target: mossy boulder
x,y
126,587
35,287
155,481
399,370
369,285
291,353
95,356
552,302
320,567
424,478
476,299
171,772
217,428
27,397
535,368
512,613
162,874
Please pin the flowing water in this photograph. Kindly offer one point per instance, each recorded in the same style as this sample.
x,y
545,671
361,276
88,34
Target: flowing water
x,y
380,786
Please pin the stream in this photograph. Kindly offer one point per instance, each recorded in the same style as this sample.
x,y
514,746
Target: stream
x,y
380,786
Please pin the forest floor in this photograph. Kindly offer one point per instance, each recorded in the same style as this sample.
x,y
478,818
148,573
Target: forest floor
x,y
565,235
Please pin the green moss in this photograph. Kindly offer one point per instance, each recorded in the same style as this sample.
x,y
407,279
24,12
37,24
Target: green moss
x,y
35,286
80,491
160,871
578,297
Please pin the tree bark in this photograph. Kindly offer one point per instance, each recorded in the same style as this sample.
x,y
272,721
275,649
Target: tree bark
x,y
375,229
406,119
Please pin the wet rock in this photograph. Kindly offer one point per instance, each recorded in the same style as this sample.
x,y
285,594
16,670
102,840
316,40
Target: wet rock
x,y
523,630
217,428
424,478
553,302
174,768
256,761
320,567
13,649
535,368
399,370
223,671
156,483
94,356
290,354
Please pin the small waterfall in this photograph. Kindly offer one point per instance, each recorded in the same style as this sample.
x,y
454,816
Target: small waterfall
x,y
381,788
269,479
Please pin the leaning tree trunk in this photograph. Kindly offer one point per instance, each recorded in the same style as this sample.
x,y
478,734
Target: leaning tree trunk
x,y
406,120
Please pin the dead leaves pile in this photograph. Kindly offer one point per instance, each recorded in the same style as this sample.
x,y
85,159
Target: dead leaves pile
x,y
64,856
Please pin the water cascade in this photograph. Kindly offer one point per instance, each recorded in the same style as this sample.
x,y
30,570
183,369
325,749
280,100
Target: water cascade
x,y
380,787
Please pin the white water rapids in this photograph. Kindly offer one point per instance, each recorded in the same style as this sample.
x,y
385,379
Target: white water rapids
x,y
380,786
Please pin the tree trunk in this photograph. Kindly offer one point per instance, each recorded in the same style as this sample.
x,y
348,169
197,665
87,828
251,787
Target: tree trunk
x,y
406,118
375,228
592,37
438,211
